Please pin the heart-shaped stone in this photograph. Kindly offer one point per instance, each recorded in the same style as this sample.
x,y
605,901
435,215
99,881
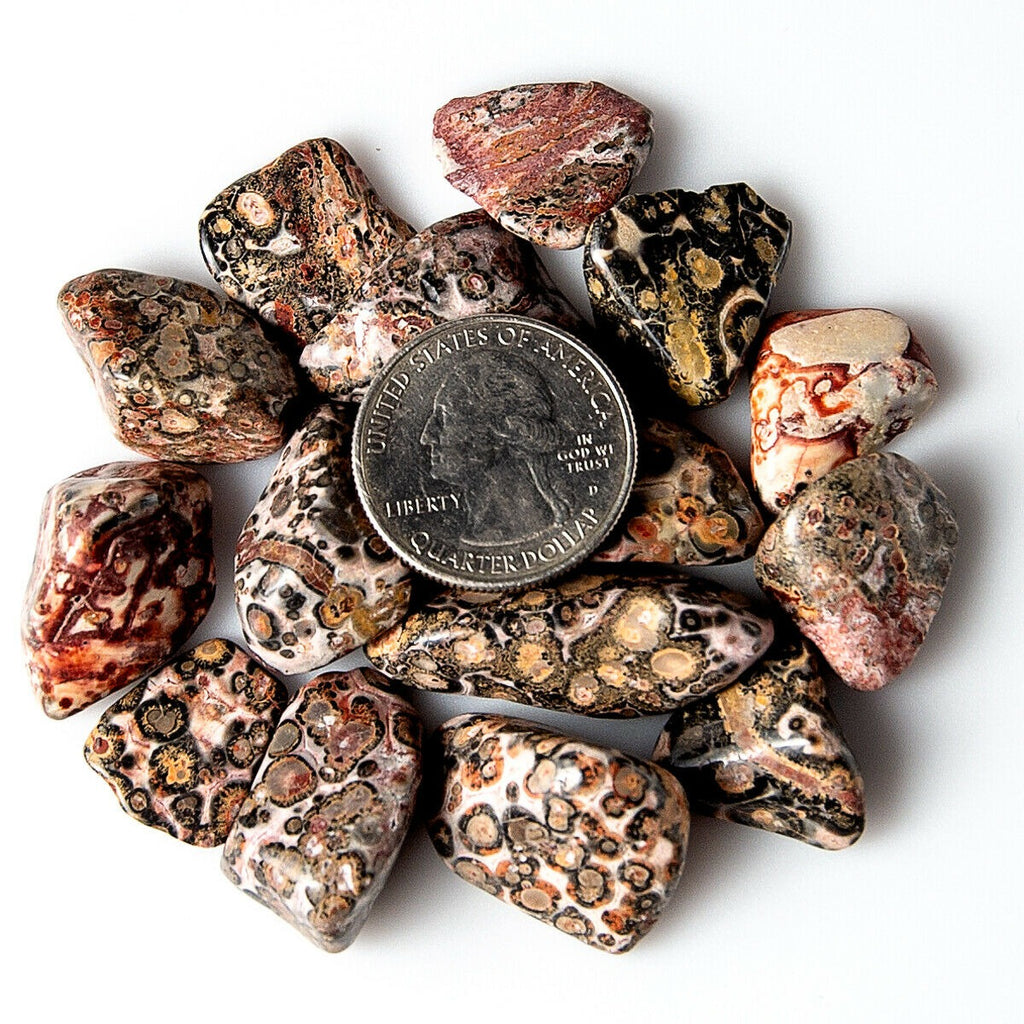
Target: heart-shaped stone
x,y
687,276
767,751
830,385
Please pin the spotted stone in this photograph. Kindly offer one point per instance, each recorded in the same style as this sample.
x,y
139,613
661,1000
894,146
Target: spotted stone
x,y
293,240
688,506
330,808
180,749
830,385
584,838
458,267
182,373
860,560
313,580
687,275
544,160
593,645
768,752
123,573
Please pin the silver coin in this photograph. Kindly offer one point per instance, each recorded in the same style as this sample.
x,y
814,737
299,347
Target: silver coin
x,y
494,452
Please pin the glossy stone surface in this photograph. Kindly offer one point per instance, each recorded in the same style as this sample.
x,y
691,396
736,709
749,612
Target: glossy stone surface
x,y
313,580
593,645
687,275
181,748
584,838
456,268
860,560
768,752
293,240
182,373
830,385
689,506
123,573
544,160
320,831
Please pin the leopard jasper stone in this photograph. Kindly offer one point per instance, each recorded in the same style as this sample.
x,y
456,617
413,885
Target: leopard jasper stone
x,y
768,752
181,748
584,838
594,645
313,580
687,275
327,815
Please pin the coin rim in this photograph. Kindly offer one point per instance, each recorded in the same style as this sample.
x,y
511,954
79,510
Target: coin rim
x,y
536,577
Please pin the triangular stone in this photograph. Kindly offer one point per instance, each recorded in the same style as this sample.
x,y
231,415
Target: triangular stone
x,y
767,751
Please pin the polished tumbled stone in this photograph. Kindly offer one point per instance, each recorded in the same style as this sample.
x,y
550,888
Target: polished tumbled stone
x,y
293,240
328,813
688,506
182,373
584,838
313,580
768,752
123,573
687,275
458,267
181,748
544,160
860,560
830,385
594,645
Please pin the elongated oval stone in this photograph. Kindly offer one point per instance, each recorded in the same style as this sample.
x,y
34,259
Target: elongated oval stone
x,y
687,276
544,160
180,748
860,560
768,752
123,573
584,838
182,373
594,645
456,268
688,506
320,831
313,580
293,240
830,385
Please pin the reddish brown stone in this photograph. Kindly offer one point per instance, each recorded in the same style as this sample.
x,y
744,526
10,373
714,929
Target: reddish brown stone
x,y
544,160
123,573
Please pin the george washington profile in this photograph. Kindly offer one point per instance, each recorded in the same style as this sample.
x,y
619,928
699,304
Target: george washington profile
x,y
493,432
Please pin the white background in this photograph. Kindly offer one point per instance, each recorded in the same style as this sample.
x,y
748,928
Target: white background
x,y
891,135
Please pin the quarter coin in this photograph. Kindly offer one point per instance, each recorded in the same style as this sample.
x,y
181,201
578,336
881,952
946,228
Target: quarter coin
x,y
494,452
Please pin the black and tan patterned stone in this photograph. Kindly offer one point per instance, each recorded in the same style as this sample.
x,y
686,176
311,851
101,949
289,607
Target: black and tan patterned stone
x,y
604,646
294,239
768,752
689,505
313,579
584,838
687,275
